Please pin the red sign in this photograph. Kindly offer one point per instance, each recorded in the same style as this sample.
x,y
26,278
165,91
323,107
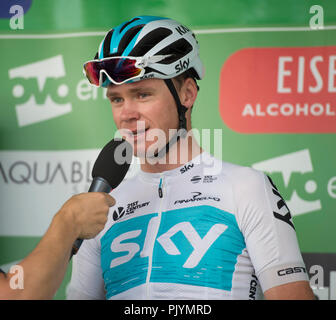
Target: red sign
x,y
280,90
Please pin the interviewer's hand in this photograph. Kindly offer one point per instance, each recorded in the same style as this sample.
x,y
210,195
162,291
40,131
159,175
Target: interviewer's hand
x,y
87,213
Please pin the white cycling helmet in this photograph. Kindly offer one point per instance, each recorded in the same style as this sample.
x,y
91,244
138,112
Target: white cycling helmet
x,y
164,47
147,47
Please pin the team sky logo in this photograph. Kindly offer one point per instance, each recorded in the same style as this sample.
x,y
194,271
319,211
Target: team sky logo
x,y
182,65
286,217
130,208
186,168
180,248
294,176
167,242
37,97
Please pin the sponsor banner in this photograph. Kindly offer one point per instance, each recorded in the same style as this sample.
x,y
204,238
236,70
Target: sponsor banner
x,y
309,194
45,94
298,162
301,186
274,84
35,185
28,110
281,90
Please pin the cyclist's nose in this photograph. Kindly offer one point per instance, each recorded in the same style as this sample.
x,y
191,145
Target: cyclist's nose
x,y
129,111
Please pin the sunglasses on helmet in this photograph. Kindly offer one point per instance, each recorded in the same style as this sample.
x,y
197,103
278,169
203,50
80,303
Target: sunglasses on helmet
x,y
118,69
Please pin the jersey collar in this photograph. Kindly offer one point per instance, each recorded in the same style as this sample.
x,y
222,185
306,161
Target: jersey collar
x,y
183,169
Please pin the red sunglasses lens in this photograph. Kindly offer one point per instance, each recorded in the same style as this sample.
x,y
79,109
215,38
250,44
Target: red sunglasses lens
x,y
119,69
92,73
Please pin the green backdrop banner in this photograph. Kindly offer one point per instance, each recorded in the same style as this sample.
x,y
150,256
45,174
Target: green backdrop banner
x,y
269,86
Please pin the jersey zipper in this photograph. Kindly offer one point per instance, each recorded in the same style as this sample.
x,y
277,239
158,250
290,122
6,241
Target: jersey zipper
x,y
150,258
160,189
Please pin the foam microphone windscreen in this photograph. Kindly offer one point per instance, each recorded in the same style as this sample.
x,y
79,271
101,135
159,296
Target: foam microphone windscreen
x,y
113,162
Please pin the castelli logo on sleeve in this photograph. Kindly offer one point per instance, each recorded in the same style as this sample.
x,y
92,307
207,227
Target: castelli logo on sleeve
x,y
279,90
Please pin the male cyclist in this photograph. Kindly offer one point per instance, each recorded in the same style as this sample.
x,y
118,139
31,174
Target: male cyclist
x,y
178,231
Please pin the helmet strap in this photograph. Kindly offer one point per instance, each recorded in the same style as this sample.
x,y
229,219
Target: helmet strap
x,y
182,126
181,109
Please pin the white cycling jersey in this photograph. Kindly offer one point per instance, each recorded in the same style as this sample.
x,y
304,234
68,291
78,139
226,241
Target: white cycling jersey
x,y
206,230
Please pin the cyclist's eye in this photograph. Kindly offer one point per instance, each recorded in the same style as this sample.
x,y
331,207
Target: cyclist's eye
x,y
143,95
116,100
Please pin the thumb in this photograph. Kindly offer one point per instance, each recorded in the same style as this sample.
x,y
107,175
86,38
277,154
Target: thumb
x,y
110,200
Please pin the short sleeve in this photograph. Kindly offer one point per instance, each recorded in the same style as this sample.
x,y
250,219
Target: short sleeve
x,y
86,280
269,232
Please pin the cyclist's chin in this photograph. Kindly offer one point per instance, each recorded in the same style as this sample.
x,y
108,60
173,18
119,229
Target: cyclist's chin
x,y
147,149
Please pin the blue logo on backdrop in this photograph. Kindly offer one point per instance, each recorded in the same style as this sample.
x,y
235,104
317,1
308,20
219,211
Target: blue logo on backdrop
x,y
5,7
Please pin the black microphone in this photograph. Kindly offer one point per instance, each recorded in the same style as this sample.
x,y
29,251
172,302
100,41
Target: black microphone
x,y
108,171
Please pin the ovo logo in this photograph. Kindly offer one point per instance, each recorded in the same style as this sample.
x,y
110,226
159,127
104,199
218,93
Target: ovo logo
x,y
34,91
294,177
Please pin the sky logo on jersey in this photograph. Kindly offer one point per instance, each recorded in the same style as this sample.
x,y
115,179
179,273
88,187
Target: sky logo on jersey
x,y
294,177
186,168
281,204
39,91
197,246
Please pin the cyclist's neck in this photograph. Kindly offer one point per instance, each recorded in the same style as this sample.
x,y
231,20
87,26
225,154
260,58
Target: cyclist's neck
x,y
178,154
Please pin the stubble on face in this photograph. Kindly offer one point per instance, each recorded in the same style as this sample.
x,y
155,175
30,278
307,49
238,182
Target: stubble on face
x,y
144,111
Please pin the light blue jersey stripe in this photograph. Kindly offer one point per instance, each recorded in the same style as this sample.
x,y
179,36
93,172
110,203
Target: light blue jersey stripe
x,y
197,246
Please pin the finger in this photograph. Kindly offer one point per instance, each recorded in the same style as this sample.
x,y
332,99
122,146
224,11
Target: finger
x,y
110,200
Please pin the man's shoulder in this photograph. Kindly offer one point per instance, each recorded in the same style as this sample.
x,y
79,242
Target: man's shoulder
x,y
236,173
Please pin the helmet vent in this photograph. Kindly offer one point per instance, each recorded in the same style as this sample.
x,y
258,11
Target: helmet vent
x,y
128,23
128,37
149,41
177,49
149,70
106,45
